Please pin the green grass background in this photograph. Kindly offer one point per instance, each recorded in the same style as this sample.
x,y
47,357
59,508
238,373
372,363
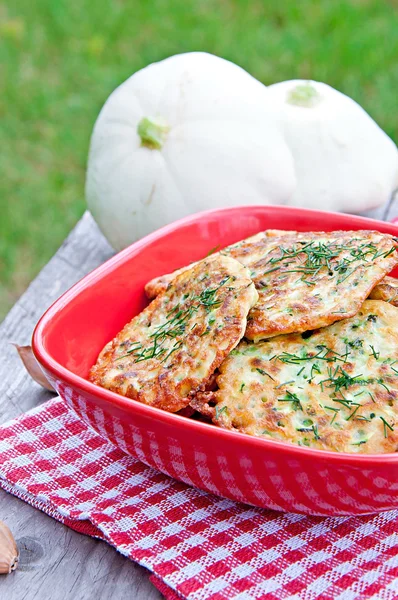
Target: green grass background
x,y
60,59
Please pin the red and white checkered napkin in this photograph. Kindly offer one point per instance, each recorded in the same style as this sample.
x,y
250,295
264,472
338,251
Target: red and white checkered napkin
x,y
197,545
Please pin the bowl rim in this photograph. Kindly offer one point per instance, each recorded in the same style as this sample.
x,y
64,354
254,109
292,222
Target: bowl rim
x,y
126,404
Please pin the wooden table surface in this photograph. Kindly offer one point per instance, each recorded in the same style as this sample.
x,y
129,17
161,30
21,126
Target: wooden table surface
x,y
57,563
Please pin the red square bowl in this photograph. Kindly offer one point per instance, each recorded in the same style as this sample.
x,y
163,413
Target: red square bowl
x,y
261,472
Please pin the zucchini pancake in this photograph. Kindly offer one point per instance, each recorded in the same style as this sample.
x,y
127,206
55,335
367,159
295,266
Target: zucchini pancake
x,y
334,390
273,337
386,290
311,280
246,251
307,280
173,347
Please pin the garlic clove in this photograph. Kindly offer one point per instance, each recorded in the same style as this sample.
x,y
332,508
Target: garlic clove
x,y
9,554
33,367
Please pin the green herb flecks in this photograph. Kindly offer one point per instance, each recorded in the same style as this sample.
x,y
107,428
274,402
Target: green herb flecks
x,y
374,353
335,410
262,372
354,412
343,402
213,251
324,353
354,344
133,348
386,426
208,297
295,400
176,346
221,410
175,326
284,383
338,260
314,371
342,380
315,431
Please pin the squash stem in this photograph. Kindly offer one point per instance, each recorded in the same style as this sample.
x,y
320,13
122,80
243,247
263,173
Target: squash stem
x,y
304,95
152,133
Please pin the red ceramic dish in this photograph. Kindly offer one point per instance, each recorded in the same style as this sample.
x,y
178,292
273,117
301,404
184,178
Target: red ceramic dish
x,y
261,472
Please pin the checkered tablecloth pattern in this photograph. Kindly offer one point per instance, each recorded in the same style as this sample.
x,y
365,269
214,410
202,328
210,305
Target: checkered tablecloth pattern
x,y
197,546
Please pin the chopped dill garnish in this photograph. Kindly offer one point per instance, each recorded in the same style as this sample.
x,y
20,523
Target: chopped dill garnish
x,y
177,346
295,400
335,410
354,411
345,403
213,250
284,383
315,430
354,343
207,297
374,353
262,372
133,348
324,353
221,410
176,323
385,425
389,252
342,380
380,382
339,260
314,369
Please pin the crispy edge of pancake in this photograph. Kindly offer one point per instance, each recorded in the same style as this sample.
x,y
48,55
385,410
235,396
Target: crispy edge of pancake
x,y
257,330
255,371
386,290
263,324
159,384
158,285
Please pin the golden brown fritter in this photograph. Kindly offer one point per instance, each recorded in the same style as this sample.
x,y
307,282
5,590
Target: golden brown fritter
x,y
310,280
335,390
386,290
307,280
247,251
174,346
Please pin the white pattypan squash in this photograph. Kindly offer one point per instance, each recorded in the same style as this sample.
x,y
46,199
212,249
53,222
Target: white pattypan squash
x,y
189,133
343,160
